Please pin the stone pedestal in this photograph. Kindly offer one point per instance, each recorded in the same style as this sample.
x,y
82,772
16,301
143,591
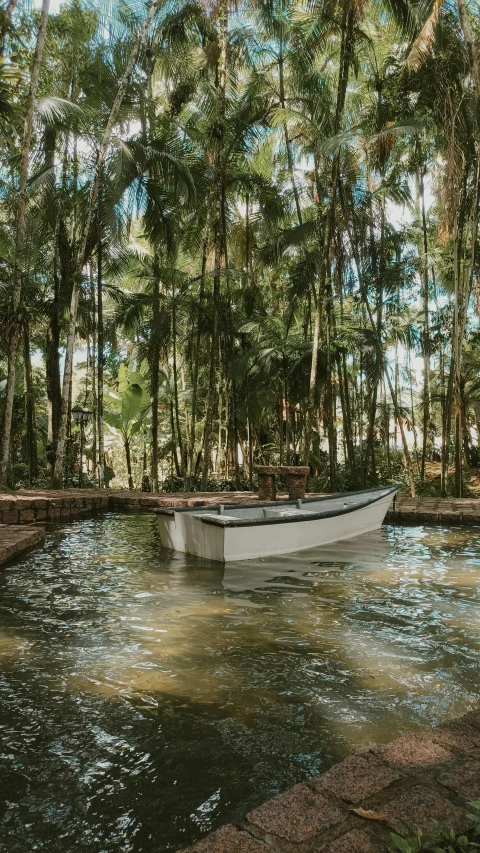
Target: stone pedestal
x,y
296,475
297,486
267,490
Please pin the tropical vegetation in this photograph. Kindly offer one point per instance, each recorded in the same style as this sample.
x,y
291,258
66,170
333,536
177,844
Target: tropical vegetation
x,y
240,233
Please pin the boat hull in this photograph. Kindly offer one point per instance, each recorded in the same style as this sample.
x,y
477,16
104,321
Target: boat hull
x,y
182,531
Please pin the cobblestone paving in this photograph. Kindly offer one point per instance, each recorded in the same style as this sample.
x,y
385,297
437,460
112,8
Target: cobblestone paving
x,y
414,782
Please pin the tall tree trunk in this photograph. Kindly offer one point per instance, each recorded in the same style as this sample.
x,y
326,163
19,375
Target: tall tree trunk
x,y
381,354
93,372
196,364
457,366
425,330
379,281
328,226
175,380
218,234
30,409
21,205
100,364
52,363
288,144
81,255
155,366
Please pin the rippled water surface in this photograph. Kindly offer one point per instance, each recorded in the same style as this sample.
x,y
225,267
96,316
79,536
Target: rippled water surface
x,y
147,697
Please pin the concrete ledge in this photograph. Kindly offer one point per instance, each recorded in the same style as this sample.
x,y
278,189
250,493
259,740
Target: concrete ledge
x,y
414,782
15,540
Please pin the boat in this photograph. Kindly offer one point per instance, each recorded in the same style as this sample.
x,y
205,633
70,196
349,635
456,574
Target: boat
x,y
248,531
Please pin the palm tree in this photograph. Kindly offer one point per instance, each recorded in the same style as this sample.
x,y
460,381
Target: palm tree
x,y
15,325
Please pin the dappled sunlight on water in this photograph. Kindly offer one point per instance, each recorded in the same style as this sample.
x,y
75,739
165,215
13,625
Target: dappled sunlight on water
x,y
147,697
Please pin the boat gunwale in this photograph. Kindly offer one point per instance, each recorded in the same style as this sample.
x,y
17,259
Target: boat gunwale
x,y
310,516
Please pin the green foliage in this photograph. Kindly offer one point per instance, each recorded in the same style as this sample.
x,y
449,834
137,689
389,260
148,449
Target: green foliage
x,y
128,407
179,484
288,171
443,840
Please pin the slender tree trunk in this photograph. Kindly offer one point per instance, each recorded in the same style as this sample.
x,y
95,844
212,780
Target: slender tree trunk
x,y
129,464
174,442
288,144
155,366
379,280
81,255
52,366
457,363
328,226
100,364
175,380
93,373
15,326
381,356
218,236
196,364
448,428
30,409
425,330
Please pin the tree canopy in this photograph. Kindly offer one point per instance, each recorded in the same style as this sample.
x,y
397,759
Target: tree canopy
x,y
240,233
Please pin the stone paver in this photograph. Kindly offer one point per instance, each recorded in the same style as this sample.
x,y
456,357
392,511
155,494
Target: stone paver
x,y
229,839
296,816
456,735
421,808
355,841
415,781
463,778
15,540
413,753
356,778
472,718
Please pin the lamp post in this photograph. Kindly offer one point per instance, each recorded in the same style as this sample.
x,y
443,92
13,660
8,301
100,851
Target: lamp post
x,y
81,417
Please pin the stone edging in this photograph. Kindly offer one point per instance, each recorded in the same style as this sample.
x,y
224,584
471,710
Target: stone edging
x,y
435,511
30,507
415,782
15,540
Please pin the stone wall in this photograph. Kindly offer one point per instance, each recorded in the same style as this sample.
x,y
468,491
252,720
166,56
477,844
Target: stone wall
x,y
32,507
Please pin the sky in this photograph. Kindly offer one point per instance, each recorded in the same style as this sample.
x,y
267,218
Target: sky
x,y
54,4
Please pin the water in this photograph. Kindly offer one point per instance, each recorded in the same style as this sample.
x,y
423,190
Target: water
x,y
148,697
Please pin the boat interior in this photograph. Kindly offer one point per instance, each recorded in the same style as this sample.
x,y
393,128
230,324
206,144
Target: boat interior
x,y
296,510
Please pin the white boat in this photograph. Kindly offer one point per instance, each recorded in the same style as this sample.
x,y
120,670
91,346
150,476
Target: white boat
x,y
246,531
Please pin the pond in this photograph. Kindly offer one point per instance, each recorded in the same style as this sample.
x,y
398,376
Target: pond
x,y
148,697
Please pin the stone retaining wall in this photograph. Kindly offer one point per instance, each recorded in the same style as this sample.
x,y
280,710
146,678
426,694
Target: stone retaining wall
x,y
435,511
415,782
30,507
